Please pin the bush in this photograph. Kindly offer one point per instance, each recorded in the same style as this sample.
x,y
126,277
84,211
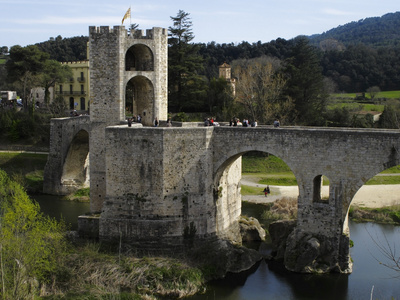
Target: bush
x,y
32,246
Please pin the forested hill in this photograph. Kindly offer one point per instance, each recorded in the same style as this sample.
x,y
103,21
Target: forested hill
x,y
362,54
375,32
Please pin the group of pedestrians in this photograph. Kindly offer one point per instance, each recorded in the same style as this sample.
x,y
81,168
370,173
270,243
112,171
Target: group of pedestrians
x,y
134,118
210,122
236,122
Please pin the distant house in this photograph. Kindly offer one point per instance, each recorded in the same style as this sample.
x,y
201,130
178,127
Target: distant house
x,y
375,114
37,95
225,72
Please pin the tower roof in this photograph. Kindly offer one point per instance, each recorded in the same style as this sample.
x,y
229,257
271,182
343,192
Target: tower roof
x,y
224,65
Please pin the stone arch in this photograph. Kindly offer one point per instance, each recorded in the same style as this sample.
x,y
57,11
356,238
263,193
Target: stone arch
x,y
139,98
76,164
227,193
139,57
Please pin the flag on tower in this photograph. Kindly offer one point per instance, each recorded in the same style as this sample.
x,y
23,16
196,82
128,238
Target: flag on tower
x,y
127,15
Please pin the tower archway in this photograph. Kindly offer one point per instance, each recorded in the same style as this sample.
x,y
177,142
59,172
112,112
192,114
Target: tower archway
x,y
139,95
139,57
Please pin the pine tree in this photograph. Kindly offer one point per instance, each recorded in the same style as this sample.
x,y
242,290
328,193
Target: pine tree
x,y
305,83
187,87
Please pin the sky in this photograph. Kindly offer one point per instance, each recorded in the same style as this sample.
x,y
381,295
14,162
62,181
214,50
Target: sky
x,y
27,22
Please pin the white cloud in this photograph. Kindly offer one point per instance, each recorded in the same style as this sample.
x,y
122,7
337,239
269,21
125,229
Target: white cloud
x,y
336,12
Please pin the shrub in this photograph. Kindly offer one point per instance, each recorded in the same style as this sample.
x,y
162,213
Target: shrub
x,y
32,246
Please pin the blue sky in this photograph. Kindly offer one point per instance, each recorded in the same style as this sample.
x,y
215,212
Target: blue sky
x,y
25,22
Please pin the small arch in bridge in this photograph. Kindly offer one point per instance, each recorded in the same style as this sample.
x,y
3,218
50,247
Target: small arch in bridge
x,y
75,169
318,183
139,58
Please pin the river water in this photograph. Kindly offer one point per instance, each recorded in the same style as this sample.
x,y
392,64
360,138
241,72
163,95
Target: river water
x,y
272,281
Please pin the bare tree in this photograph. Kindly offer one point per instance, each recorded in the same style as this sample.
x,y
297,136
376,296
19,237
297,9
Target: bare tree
x,y
392,259
373,91
259,88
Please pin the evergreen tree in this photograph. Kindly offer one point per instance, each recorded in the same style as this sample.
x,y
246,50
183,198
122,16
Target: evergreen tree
x,y
305,83
187,88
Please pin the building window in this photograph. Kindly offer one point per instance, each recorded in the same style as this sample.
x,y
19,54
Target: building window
x,y
70,88
60,89
82,89
83,106
71,103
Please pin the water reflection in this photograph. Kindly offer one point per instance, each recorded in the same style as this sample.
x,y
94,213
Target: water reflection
x,y
57,207
272,281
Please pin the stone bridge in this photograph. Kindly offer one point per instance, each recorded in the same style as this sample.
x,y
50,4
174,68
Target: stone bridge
x,y
163,184
165,187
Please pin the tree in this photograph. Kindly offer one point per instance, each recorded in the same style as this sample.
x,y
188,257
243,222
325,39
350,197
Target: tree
x,y
32,246
53,72
373,91
259,88
28,67
390,116
220,98
3,50
305,83
187,88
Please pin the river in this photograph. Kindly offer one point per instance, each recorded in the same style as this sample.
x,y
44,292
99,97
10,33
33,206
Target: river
x,y
271,281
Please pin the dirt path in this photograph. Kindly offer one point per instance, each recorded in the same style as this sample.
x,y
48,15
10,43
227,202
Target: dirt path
x,y
371,196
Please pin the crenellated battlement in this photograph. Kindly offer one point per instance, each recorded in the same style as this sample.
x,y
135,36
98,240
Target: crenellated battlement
x,y
136,34
150,33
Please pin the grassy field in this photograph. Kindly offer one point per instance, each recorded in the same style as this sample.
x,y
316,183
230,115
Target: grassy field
x,y
348,101
352,96
353,106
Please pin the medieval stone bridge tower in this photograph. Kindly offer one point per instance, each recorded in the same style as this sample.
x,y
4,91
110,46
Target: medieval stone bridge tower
x,y
128,72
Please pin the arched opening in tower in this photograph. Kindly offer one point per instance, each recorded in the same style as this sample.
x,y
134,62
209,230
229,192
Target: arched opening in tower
x,y
139,99
139,58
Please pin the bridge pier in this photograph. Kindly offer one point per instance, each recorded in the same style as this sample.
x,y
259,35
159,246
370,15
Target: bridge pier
x,y
161,192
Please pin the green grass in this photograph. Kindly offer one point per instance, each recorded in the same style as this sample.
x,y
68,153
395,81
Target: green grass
x,y
386,94
85,192
281,179
357,106
269,165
